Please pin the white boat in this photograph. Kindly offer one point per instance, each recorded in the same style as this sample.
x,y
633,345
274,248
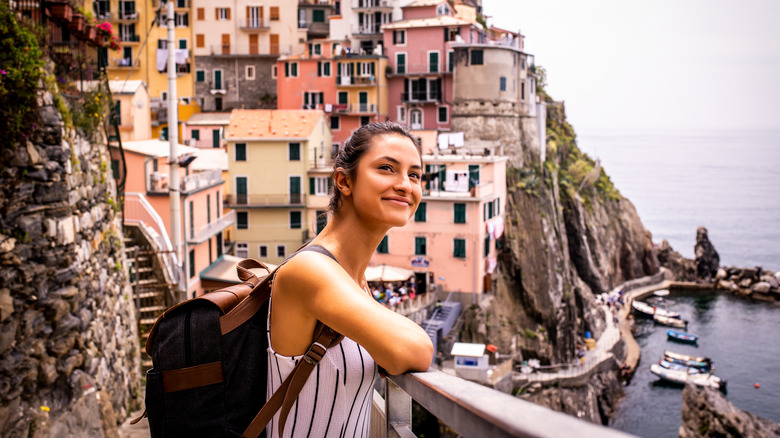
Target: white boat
x,y
649,311
682,375
661,292
672,322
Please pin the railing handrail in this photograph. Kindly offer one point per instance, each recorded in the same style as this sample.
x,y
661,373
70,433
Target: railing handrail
x,y
201,179
157,225
474,410
206,231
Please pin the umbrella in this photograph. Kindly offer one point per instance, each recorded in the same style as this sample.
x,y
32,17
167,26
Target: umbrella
x,y
387,273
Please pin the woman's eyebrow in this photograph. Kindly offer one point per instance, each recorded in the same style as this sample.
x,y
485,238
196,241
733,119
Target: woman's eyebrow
x,y
394,161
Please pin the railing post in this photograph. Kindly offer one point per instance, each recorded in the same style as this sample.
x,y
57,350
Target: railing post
x,y
398,411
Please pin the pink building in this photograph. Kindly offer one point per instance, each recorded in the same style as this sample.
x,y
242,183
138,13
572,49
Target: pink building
x,y
203,219
204,130
451,241
420,55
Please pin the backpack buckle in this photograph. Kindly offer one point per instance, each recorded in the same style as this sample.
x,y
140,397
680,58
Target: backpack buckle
x,y
314,356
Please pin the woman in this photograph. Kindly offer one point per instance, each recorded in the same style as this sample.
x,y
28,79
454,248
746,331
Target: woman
x,y
376,186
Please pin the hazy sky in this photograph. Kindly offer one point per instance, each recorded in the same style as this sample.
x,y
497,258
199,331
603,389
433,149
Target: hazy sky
x,y
665,64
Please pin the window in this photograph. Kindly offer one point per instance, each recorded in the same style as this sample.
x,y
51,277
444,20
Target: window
x,y
317,49
291,69
421,214
476,57
318,185
182,43
164,133
217,104
274,13
400,63
322,220
401,114
522,90
182,19
192,263
487,245
215,140
460,213
281,251
497,206
242,250
383,246
443,114
334,123
295,220
318,16
274,71
294,151
420,246
217,79
312,99
323,68
222,13
217,205
450,61
200,40
208,209
459,248
365,120
343,97
399,37
250,72
502,83
489,210
262,251
433,62
242,220
201,14
473,175
240,151
450,34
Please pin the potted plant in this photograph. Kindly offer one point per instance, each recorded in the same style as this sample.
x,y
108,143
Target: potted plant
x,y
61,10
76,22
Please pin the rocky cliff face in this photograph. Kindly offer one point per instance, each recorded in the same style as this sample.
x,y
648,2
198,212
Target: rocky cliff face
x,y
707,413
69,352
569,235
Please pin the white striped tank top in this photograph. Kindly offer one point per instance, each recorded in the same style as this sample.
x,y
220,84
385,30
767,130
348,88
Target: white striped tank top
x,y
336,399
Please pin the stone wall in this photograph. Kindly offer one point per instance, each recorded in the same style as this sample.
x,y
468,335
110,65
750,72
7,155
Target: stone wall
x,y
252,94
69,350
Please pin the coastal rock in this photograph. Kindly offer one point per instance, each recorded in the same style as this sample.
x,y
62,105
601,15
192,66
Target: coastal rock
x,y
707,413
761,287
707,260
683,269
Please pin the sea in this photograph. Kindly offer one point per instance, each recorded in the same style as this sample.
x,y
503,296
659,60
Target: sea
x,y
729,182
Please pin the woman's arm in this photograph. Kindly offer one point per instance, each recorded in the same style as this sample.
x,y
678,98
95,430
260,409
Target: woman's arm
x,y
312,287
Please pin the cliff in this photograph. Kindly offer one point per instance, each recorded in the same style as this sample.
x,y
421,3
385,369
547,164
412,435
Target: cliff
x,y
569,235
707,413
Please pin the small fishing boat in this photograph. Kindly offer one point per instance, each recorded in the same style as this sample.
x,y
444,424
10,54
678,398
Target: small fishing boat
x,y
648,311
661,292
698,362
682,337
671,322
681,374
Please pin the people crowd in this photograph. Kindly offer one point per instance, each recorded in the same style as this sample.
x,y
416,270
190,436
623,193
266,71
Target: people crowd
x,y
391,294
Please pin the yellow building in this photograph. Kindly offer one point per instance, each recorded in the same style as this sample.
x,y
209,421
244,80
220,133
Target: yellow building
x,y
279,165
141,29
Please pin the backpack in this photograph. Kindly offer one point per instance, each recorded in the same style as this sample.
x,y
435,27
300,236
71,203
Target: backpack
x,y
209,357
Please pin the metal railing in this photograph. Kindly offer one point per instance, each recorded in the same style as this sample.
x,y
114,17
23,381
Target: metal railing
x,y
422,69
276,200
472,410
257,23
421,97
200,180
138,211
369,4
212,228
355,80
127,62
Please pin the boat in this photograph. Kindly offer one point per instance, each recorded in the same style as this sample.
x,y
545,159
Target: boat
x,y
681,374
649,311
682,337
698,362
672,322
661,292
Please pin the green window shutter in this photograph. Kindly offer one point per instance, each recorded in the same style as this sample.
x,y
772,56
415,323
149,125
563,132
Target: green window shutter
x,y
311,185
242,220
195,134
294,69
192,263
287,69
487,245
319,68
327,68
295,220
343,97
373,69
200,76
420,246
240,151
421,214
460,213
383,246
459,248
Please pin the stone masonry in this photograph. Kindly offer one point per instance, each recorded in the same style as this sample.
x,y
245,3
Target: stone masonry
x,y
250,94
69,350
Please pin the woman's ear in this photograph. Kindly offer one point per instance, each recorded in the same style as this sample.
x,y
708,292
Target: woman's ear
x,y
342,182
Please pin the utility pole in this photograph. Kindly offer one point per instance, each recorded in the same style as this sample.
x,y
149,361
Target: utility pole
x,y
173,156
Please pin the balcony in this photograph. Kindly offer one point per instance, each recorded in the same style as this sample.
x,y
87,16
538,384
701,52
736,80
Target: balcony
x,y
261,201
419,70
372,30
372,5
472,410
355,80
127,15
246,49
209,230
420,97
178,4
200,180
127,63
253,24
129,38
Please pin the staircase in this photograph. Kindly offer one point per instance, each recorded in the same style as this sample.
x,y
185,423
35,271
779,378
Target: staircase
x,y
441,322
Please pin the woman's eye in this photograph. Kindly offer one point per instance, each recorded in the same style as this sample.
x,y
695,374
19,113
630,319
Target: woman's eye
x,y
386,167
414,175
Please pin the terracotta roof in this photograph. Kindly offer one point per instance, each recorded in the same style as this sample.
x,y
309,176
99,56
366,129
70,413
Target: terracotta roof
x,y
443,20
209,119
272,124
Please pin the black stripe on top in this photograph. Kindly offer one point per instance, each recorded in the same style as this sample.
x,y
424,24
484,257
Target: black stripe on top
x,y
316,395
362,377
333,404
344,359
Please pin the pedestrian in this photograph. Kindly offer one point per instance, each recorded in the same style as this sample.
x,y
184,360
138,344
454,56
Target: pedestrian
x,y
376,186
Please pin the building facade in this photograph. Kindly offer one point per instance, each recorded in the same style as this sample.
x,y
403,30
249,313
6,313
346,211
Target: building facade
x,y
279,169
132,109
360,22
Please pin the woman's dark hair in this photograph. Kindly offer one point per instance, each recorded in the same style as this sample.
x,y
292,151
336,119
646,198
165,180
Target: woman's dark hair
x,y
356,145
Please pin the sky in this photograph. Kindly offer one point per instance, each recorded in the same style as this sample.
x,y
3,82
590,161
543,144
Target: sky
x,y
654,64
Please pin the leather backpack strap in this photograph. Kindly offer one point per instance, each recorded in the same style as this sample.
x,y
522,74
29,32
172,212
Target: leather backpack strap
x,y
284,397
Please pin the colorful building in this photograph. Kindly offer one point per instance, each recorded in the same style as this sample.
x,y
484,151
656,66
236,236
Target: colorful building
x,y
132,109
279,171
202,217
452,240
420,52
205,130
351,88
360,22
236,47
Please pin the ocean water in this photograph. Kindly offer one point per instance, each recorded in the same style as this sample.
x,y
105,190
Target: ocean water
x,y
726,181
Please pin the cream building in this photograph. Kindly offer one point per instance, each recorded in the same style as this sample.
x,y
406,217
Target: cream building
x,y
279,165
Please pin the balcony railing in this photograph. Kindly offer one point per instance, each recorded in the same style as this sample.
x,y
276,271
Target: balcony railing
x,y
128,15
127,62
278,200
139,211
420,97
256,24
344,108
129,38
355,80
249,49
421,70
372,4
200,180
367,30
209,230
472,410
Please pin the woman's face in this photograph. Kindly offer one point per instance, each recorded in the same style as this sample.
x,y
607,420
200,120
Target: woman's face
x,y
386,187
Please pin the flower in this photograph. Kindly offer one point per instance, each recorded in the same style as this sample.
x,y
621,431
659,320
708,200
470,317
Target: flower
x,y
3,72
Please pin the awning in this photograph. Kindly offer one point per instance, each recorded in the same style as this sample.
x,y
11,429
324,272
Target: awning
x,y
387,273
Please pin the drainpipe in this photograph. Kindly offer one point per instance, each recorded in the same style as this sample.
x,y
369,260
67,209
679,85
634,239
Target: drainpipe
x,y
173,157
